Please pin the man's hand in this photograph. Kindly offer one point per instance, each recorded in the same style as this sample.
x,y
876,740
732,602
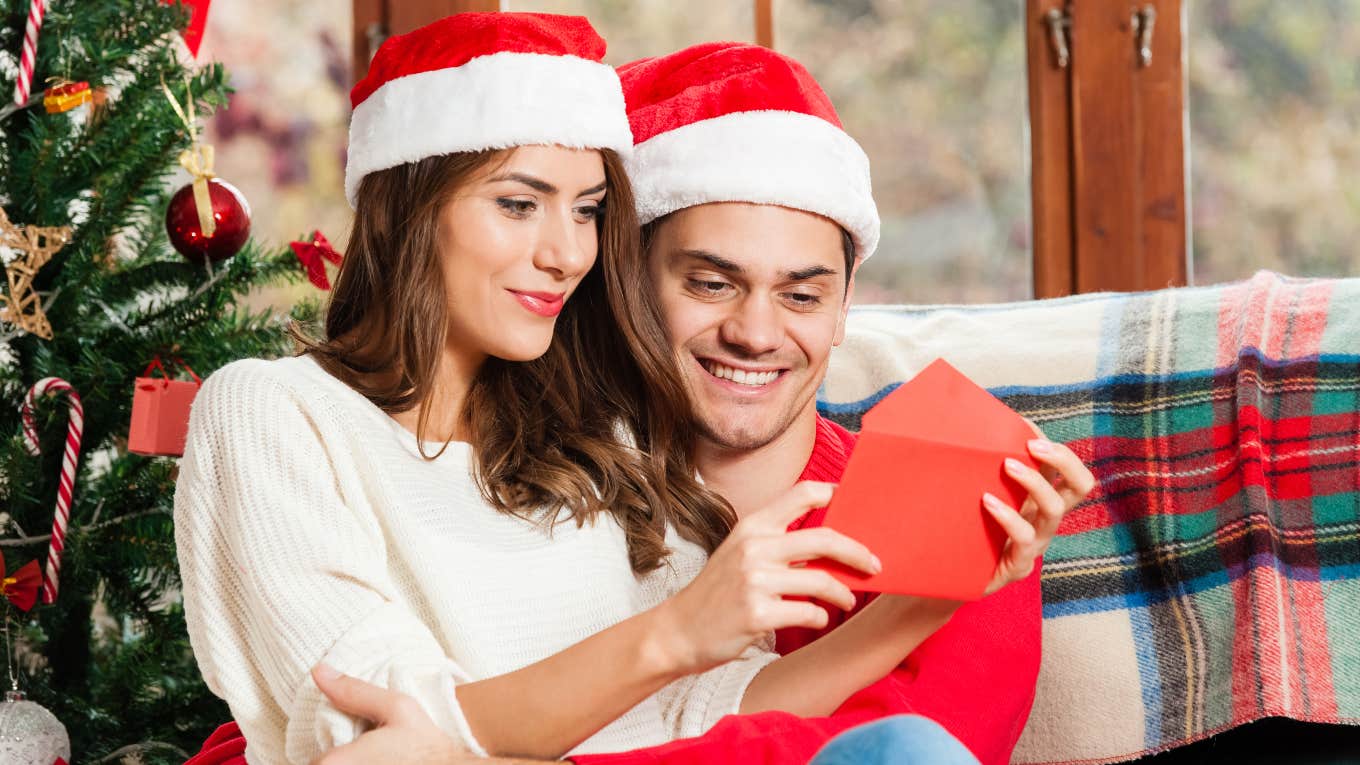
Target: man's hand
x,y
1033,527
404,733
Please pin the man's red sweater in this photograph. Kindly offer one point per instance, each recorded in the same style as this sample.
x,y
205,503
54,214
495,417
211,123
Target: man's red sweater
x,y
975,676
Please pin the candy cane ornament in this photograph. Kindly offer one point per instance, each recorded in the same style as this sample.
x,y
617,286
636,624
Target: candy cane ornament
x,y
75,428
29,58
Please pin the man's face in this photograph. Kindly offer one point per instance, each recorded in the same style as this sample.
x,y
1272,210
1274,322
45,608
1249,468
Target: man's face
x,y
753,297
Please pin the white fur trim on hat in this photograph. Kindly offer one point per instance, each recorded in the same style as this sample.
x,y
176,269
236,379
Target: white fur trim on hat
x,y
765,157
491,102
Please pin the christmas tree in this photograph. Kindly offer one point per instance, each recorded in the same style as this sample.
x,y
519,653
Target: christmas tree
x,y
94,292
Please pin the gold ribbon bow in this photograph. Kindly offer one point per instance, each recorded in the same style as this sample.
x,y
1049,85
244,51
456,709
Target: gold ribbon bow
x,y
197,159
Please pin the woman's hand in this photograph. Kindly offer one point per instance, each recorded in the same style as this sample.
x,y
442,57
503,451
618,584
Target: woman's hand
x,y
740,594
404,732
1033,527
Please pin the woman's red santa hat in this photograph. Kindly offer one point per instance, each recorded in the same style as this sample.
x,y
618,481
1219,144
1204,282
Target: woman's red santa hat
x,y
478,81
733,122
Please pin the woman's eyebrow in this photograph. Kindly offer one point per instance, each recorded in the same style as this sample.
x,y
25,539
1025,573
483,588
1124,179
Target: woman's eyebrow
x,y
597,188
536,184
540,185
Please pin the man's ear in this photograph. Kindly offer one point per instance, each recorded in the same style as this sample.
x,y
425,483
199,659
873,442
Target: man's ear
x,y
845,306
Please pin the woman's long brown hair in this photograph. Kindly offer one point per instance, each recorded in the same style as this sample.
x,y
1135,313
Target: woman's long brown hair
x,y
599,423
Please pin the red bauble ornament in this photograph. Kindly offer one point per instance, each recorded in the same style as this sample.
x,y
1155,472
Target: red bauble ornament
x,y
231,211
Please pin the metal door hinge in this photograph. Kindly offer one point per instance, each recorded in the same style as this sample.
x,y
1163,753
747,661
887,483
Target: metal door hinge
x,y
1058,25
1143,20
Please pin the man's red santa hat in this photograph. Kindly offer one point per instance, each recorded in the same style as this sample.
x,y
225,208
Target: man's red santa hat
x,y
477,81
732,122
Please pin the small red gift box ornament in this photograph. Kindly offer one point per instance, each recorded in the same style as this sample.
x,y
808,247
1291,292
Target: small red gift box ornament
x,y
21,586
160,412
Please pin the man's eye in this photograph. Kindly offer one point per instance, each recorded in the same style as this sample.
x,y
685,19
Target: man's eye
x,y
803,300
519,207
707,287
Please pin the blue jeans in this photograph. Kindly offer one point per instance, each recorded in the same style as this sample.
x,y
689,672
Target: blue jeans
x,y
898,740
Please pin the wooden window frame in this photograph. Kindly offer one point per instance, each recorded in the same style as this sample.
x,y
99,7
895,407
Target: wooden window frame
x,y
1107,148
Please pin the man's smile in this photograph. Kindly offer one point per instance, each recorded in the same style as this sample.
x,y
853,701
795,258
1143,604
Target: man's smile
x,y
745,378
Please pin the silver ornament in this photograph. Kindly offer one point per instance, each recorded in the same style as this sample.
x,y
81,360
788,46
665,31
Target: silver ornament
x,y
29,734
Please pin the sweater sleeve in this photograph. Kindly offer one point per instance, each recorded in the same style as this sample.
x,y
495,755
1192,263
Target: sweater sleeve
x,y
695,703
284,565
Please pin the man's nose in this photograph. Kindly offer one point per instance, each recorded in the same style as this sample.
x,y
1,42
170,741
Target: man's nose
x,y
754,326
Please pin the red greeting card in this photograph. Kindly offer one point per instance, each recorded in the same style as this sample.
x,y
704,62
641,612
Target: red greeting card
x,y
912,490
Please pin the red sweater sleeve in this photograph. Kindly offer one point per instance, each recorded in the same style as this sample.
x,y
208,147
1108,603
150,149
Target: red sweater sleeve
x,y
975,676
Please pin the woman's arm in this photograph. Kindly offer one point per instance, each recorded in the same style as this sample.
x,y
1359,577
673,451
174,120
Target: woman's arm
x,y
733,603
548,707
814,676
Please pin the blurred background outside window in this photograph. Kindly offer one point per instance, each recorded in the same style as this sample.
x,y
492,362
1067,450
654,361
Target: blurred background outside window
x,y
1274,137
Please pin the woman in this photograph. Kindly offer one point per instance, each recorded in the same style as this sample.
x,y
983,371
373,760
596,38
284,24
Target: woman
x,y
467,489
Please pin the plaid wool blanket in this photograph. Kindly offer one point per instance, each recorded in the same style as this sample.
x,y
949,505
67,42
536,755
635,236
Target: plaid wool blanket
x,y
1213,577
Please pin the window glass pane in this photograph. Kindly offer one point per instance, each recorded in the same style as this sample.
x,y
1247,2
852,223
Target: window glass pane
x,y
638,28
1274,137
935,91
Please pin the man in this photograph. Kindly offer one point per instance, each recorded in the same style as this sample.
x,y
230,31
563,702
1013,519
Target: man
x,y
757,212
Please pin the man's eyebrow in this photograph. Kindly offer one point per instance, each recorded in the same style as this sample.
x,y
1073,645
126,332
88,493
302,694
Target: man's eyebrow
x,y
803,274
528,180
713,259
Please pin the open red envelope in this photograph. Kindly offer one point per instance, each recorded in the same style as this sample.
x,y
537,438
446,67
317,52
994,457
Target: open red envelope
x,y
912,490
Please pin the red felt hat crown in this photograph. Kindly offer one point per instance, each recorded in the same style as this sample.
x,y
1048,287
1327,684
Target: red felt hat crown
x,y
733,122
476,81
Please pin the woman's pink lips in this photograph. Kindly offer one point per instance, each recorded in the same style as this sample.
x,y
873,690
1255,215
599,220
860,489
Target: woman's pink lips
x,y
542,303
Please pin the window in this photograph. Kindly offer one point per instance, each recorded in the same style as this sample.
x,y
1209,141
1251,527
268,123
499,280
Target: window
x,y
1002,174
1275,138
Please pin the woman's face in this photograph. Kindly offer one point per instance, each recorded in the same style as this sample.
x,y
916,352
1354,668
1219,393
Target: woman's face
x,y
515,241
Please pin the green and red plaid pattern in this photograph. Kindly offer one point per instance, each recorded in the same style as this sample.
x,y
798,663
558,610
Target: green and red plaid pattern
x,y
1213,577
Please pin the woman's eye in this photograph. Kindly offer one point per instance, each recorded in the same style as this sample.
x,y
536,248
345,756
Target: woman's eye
x,y
517,207
589,213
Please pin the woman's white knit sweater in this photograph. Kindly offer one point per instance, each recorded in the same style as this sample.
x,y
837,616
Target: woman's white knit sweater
x,y
310,528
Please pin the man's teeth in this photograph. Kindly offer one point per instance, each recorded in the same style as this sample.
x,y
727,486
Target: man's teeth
x,y
740,376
